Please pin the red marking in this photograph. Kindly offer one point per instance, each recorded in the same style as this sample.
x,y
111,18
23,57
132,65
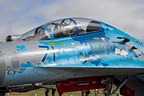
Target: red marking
x,y
79,84
73,44
103,39
88,83
126,91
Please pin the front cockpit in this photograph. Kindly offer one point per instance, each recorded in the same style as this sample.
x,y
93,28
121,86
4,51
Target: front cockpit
x,y
36,34
68,27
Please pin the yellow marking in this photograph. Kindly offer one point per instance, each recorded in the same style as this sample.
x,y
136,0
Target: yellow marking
x,y
121,50
61,44
95,38
83,57
50,43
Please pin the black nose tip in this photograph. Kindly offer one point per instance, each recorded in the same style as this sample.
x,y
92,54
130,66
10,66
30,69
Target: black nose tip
x,y
2,68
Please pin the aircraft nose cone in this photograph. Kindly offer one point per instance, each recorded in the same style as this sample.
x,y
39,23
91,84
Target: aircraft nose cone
x,y
2,68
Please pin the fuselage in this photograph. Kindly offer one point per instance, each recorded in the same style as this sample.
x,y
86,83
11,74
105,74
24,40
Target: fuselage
x,y
87,51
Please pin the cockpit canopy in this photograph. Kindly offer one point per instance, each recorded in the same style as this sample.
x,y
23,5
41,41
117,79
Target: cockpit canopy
x,y
62,28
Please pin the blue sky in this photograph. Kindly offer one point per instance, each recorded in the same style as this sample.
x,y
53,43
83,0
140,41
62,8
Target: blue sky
x,y
19,16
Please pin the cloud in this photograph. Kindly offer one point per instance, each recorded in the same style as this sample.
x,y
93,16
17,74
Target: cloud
x,y
126,15
22,16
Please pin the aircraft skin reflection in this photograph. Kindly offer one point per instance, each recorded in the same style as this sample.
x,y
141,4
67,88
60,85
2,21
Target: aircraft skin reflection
x,y
54,51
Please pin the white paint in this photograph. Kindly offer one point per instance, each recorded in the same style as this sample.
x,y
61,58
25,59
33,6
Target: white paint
x,y
121,52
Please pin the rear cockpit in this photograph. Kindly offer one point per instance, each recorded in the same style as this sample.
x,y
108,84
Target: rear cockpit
x,y
68,27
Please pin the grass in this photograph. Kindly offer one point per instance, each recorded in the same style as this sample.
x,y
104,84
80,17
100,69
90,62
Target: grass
x,y
41,92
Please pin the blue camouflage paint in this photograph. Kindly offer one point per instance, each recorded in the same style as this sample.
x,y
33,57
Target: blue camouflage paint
x,y
100,49
91,49
54,57
46,54
21,48
28,64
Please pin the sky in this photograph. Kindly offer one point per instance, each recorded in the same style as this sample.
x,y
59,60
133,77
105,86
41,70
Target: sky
x,y
20,16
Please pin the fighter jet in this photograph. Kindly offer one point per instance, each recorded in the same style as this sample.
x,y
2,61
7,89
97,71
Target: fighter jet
x,y
76,54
